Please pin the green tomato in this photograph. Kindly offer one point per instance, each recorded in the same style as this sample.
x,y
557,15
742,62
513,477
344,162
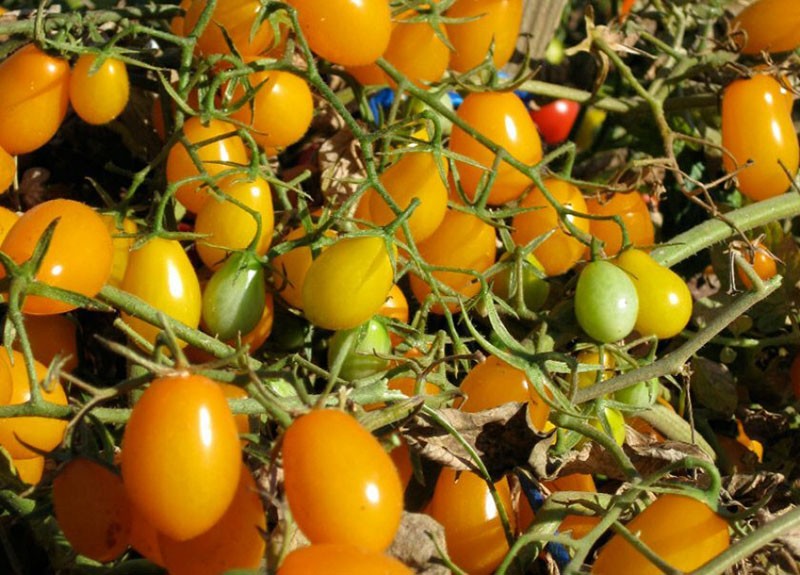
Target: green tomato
x,y
358,351
606,303
641,395
535,288
235,296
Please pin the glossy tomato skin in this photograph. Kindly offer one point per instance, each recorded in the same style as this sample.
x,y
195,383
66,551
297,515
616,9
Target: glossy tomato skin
x,y
464,506
368,351
495,382
42,434
461,241
763,264
30,471
346,32
290,269
635,216
181,457
757,125
415,175
8,170
341,485
160,273
665,302
504,119
217,154
768,25
33,100
235,296
680,529
98,96
490,22
358,269
561,251
65,265
340,559
91,507
606,302
281,110
233,542
236,18
122,238
556,119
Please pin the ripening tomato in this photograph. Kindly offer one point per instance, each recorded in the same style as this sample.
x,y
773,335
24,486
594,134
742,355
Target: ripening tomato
x,y
556,119
181,456
216,152
67,264
234,19
635,216
369,346
42,434
346,32
235,296
122,238
595,356
290,269
415,175
494,382
561,251
763,264
395,306
281,110
160,274
236,541
51,337
358,269
99,93
606,302
665,302
8,170
29,471
34,97
341,485
461,241
757,125
527,278
340,559
489,23
463,504
91,507
768,25
683,531
504,119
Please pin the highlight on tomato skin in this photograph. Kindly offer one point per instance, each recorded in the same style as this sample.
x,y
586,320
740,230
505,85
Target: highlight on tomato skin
x,y
340,559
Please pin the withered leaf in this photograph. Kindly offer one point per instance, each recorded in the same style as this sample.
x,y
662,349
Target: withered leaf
x,y
749,489
414,544
713,386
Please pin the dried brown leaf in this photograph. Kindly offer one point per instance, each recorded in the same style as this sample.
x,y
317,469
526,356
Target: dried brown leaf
x,y
414,544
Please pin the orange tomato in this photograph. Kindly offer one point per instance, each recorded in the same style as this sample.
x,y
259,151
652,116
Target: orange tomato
x,y
122,239
339,559
290,269
99,95
763,264
53,336
8,170
768,25
30,471
488,23
230,20
635,216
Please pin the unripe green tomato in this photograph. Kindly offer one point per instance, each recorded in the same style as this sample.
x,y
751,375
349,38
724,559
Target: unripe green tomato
x,y
364,347
235,296
643,394
535,288
606,303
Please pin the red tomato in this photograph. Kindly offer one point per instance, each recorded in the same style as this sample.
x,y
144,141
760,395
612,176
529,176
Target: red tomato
x,y
339,559
234,18
504,119
34,97
99,95
768,25
555,120
757,125
488,23
92,510
181,457
78,258
561,251
346,32
217,154
635,216
341,485
464,506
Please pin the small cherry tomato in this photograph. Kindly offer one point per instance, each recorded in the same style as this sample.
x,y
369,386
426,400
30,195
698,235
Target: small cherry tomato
x,y
27,437
642,394
606,302
122,238
236,541
358,269
504,119
683,531
91,507
8,170
231,20
463,504
290,269
99,94
234,297
181,457
556,119
341,485
508,281
346,32
217,154
65,265
160,274
396,305
757,126
369,345
51,337
488,23
768,25
560,251
631,208
340,559
29,471
34,98
595,356
665,302
763,264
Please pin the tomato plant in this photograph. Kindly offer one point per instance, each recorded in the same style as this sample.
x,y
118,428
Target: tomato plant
x,y
485,24
360,351
181,459
556,119
34,99
91,508
99,89
606,302
341,485
340,559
